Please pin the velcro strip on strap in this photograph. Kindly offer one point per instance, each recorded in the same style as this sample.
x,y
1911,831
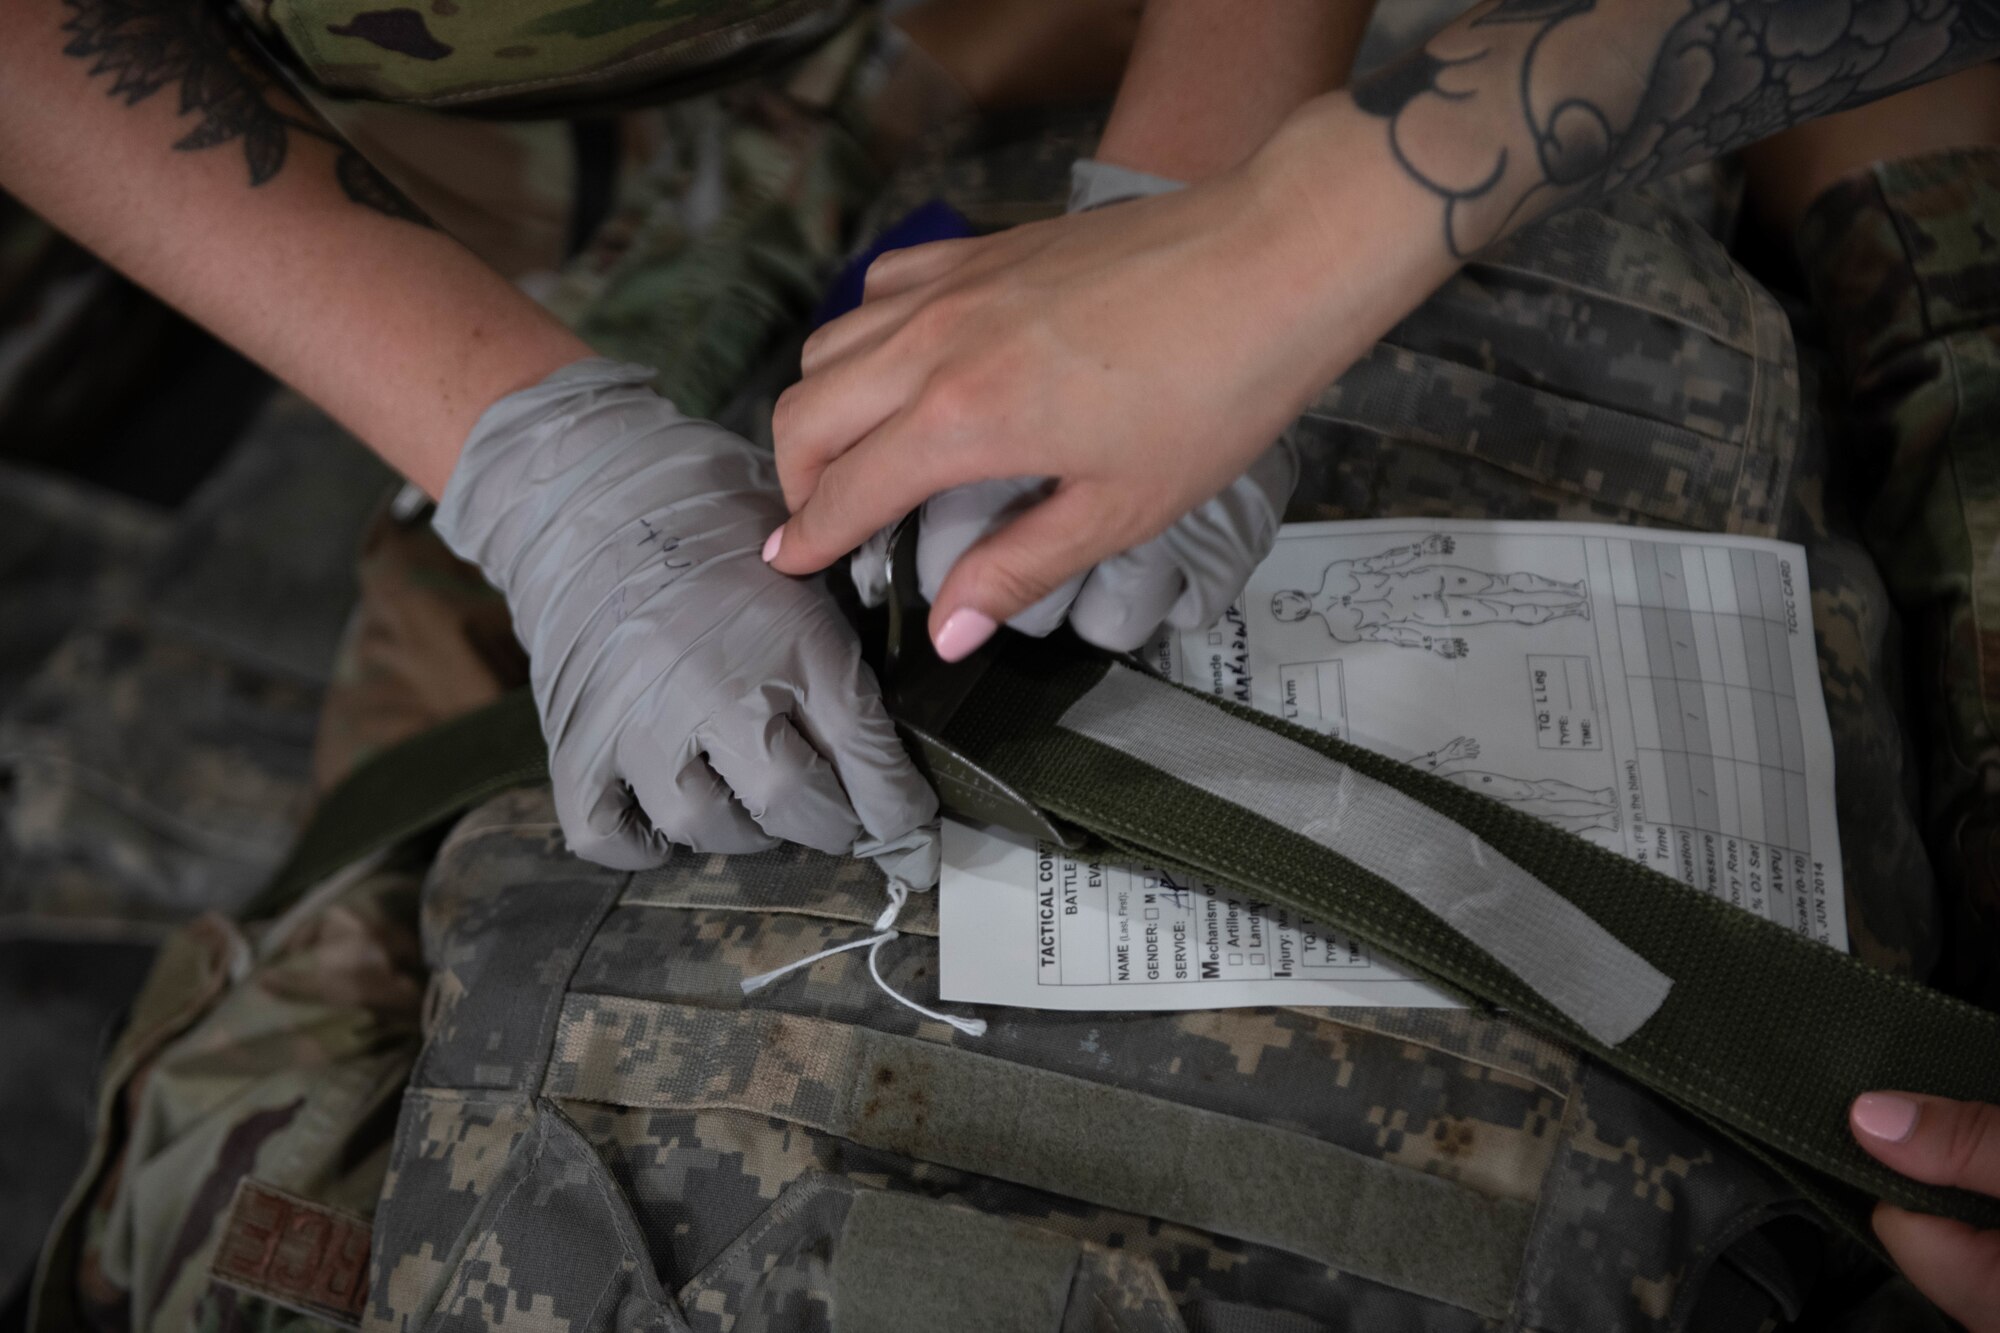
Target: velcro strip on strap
x,y
1110,1146
907,1264
1591,977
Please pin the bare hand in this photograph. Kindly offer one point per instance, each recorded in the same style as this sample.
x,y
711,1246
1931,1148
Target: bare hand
x,y
1141,357
1940,1142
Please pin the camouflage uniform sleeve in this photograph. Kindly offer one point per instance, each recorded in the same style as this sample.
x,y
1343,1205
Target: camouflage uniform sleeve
x,y
1903,262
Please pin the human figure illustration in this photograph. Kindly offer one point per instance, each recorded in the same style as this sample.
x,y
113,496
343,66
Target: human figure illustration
x,y
1400,597
1569,807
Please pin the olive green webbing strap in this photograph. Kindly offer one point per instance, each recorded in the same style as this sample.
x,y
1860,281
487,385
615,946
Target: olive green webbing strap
x,y
1765,1034
410,788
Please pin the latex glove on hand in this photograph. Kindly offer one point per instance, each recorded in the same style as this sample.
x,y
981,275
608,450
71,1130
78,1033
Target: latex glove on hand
x,y
1940,1142
690,694
1186,577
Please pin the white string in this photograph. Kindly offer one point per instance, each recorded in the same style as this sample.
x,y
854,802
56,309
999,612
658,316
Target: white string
x,y
885,930
971,1027
763,979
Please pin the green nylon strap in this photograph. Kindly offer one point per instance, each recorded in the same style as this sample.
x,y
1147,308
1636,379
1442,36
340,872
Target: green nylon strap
x,y
1765,1034
410,788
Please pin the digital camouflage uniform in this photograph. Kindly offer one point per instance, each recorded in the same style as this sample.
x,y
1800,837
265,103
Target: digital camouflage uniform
x,y
1904,262
603,1131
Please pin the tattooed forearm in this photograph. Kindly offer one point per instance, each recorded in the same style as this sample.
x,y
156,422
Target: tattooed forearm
x,y
1523,105
148,45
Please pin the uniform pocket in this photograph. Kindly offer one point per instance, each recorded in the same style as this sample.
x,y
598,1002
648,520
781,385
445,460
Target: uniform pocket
x,y
1605,364
831,1253
553,1245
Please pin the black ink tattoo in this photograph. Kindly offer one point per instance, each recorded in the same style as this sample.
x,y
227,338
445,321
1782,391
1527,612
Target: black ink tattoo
x,y
148,45
1526,104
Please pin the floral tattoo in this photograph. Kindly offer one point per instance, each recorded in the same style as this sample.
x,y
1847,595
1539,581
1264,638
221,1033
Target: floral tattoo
x,y
148,45
1524,105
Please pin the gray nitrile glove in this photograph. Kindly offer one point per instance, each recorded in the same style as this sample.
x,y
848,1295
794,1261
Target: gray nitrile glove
x,y
1187,576
690,693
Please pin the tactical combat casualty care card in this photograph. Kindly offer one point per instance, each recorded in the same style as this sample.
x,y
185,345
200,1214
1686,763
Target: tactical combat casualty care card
x,y
1656,693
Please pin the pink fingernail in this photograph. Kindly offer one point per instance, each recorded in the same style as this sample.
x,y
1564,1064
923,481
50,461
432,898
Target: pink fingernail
x,y
963,631
1884,1116
772,543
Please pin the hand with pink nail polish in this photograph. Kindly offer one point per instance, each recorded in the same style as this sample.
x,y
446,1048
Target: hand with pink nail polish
x,y
1940,1142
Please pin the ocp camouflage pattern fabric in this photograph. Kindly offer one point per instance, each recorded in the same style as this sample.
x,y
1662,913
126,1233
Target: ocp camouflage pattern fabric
x,y
275,1054
535,52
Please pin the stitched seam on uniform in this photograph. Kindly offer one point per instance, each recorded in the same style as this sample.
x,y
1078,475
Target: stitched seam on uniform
x,y
1492,1063
557,989
1783,453
1733,343
460,1289
805,1190
803,10
1752,416
1459,373
1686,511
597,1181
978,786
1553,1186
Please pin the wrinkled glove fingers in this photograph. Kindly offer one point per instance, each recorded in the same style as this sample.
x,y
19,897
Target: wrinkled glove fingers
x,y
1126,597
1219,545
840,711
784,785
1204,599
682,799
602,822
952,521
